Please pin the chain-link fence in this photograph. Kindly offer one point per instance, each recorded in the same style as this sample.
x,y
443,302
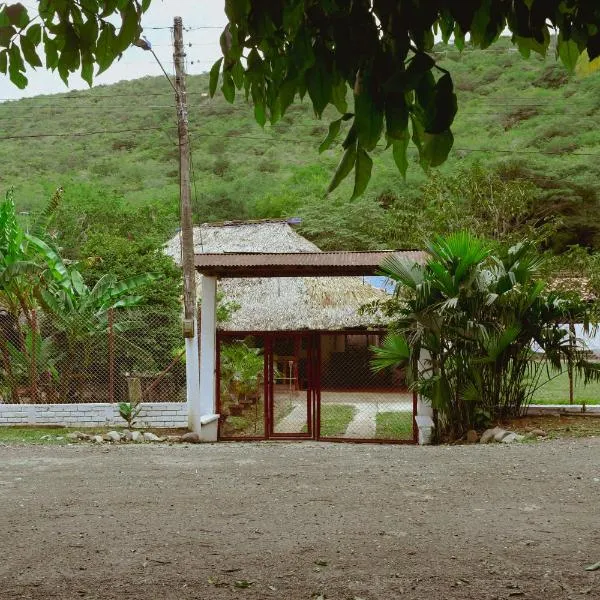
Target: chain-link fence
x,y
315,385
357,403
100,357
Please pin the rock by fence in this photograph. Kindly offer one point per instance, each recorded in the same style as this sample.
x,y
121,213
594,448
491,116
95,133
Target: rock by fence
x,y
101,414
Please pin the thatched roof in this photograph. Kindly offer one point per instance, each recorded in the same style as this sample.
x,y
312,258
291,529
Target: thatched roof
x,y
281,303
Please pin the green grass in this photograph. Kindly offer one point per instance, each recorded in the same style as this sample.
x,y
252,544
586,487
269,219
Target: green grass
x,y
394,425
41,435
335,419
556,391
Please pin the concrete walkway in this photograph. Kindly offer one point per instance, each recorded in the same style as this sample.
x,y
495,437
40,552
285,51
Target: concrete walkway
x,y
364,424
295,421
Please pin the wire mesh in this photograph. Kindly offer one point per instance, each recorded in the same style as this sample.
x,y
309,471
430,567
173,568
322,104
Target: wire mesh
x,y
93,358
355,401
241,387
317,385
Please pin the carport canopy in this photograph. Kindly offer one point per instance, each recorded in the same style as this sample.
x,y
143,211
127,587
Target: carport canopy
x,y
298,264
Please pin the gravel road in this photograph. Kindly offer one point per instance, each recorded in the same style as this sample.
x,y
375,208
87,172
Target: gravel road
x,y
300,520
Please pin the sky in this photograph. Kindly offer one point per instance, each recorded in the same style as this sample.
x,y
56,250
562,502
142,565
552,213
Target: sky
x,y
206,18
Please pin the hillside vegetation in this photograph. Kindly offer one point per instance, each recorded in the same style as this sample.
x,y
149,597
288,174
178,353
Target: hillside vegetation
x,y
525,123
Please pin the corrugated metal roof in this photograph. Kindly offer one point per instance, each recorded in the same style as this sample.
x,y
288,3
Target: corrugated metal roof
x,y
293,264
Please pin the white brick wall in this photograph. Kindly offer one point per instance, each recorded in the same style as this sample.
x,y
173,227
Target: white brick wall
x,y
153,414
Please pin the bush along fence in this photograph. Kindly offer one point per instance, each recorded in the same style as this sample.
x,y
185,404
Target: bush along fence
x,y
94,359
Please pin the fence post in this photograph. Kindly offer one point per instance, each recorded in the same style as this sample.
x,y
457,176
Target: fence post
x,y
111,356
570,364
33,366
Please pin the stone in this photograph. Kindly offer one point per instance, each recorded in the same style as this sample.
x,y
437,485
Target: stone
x,y
191,437
501,434
74,436
512,437
151,437
489,434
136,436
97,439
112,436
472,436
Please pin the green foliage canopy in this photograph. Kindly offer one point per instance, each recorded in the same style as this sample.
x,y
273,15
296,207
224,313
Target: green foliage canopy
x,y
280,49
72,35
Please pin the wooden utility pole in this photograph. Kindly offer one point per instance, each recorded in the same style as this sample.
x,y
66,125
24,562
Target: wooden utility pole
x,y
187,231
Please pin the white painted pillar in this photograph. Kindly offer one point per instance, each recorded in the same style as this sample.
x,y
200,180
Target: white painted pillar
x,y
208,344
424,417
192,380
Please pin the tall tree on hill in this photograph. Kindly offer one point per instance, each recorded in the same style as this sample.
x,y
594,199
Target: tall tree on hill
x,y
281,49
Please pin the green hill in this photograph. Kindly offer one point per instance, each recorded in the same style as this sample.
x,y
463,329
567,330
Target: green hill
x,y
523,119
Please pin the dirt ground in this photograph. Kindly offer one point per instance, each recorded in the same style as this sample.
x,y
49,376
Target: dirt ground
x,y
300,521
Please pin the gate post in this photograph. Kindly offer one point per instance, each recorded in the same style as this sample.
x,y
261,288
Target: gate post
x,y
202,415
424,416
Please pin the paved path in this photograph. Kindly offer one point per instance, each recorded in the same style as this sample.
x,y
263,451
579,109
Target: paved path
x,y
295,421
364,424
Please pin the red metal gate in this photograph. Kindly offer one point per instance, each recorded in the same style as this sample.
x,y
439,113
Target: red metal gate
x,y
309,385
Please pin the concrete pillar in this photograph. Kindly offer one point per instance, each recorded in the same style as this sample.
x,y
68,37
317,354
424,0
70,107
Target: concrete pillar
x,y
192,379
208,344
424,417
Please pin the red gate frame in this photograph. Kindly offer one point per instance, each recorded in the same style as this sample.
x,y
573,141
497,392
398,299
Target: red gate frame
x,y
314,376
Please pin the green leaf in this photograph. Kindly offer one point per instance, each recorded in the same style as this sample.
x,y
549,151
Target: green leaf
x,y
228,88
3,61
319,86
334,129
51,52
130,27
16,67
368,116
344,168
444,105
29,52
399,148
436,147
34,34
213,78
362,172
396,116
87,69
568,52
339,90
237,10
260,114
594,567
104,47
420,64
237,72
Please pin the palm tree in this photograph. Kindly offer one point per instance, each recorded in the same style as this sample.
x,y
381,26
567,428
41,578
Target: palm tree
x,y
471,318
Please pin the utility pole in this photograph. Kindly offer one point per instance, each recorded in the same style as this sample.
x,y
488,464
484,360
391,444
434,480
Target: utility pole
x,y
190,325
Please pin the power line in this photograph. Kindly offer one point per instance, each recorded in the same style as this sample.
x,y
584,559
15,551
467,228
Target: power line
x,y
276,140
80,133
144,27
